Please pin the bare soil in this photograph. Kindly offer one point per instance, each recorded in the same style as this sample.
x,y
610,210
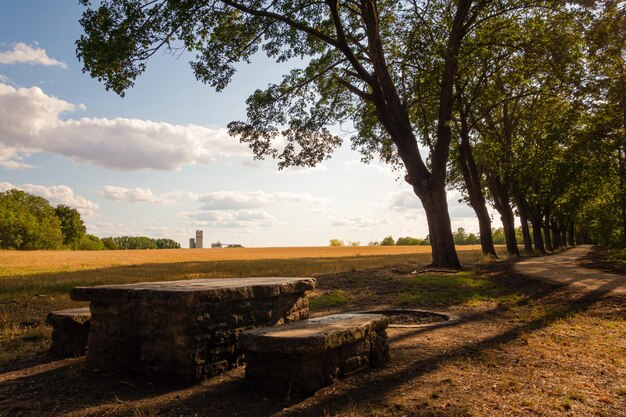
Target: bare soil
x,y
524,346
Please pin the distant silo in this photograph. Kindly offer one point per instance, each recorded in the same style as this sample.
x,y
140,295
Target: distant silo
x,y
199,239
192,243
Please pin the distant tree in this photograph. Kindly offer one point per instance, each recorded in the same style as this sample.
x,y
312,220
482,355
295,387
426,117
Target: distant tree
x,y
388,241
135,242
336,242
355,243
28,222
110,243
373,243
72,225
410,241
167,244
498,236
90,242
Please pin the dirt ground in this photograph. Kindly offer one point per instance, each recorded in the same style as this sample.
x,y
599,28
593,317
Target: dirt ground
x,y
536,347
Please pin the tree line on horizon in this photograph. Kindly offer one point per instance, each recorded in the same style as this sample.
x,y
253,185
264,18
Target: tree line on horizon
x,y
29,222
460,236
518,104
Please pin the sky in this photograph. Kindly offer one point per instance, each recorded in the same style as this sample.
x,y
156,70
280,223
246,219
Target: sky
x,y
159,161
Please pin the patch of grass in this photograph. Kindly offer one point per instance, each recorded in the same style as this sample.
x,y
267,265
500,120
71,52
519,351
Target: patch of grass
x,y
621,391
330,299
460,288
577,396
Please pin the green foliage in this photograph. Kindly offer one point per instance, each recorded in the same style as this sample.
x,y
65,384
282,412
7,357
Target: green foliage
x,y
336,242
72,225
463,238
138,242
388,241
134,242
90,242
28,222
411,241
167,244
110,243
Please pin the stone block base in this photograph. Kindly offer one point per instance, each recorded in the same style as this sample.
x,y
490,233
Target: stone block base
x,y
303,357
70,330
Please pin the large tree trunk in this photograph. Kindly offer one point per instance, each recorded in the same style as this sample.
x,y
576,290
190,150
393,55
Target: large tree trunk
x,y
535,220
570,234
546,232
523,215
474,188
440,229
500,193
556,236
508,223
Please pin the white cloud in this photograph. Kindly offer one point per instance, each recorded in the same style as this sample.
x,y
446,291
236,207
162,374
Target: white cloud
x,y
231,218
404,200
133,195
30,122
57,194
4,79
26,54
358,222
237,200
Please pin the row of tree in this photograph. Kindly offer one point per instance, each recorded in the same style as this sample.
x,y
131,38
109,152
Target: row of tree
x,y
517,103
29,222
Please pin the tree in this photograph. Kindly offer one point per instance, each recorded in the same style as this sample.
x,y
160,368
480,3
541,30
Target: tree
x,y
110,243
336,242
388,241
167,244
90,242
360,59
72,225
28,222
606,37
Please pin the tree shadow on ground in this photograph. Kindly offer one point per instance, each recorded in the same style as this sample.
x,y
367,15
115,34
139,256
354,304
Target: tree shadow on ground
x,y
67,389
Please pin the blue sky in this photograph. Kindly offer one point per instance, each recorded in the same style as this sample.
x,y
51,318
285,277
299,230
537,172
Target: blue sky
x,y
158,161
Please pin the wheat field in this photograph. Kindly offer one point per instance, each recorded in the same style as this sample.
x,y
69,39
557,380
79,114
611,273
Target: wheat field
x,y
19,263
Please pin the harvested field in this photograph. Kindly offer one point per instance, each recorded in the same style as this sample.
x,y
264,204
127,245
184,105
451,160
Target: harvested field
x,y
14,263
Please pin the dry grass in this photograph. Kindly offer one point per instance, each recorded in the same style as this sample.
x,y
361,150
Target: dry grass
x,y
34,283
524,347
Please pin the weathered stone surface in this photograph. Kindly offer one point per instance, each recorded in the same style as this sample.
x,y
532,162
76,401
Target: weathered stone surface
x,y
190,333
197,290
304,356
70,329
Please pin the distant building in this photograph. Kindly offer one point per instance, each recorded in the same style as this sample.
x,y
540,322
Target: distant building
x,y
218,244
192,243
199,239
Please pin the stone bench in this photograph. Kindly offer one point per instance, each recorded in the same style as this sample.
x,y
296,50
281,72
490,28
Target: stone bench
x,y
305,356
70,330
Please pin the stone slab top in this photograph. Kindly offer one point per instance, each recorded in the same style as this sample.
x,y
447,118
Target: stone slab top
x,y
195,290
312,335
68,316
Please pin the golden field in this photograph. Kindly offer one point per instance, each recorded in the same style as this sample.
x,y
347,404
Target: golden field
x,y
14,263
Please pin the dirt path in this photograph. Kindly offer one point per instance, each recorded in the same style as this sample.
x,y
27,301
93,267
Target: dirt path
x,y
565,268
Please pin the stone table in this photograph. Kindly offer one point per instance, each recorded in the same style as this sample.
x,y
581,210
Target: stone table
x,y
185,329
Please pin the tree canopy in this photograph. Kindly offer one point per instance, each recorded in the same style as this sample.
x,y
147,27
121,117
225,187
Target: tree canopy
x,y
509,88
